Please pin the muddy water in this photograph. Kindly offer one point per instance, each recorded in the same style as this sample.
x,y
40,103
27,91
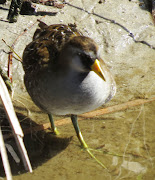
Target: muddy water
x,y
129,135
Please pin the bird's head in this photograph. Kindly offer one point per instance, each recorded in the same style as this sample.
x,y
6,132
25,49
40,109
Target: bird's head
x,y
82,54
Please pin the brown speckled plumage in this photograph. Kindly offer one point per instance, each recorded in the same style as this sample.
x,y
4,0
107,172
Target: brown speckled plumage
x,y
47,42
64,74
58,76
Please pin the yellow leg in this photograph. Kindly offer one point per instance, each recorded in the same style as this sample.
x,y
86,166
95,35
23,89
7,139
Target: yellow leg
x,y
82,141
54,128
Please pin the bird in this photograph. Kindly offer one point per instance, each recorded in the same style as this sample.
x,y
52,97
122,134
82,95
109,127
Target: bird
x,y
65,75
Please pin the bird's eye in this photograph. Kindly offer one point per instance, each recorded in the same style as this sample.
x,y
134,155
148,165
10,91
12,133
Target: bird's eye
x,y
87,61
86,58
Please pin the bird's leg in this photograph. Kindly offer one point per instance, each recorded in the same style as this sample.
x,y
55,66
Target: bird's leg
x,y
78,132
54,128
81,139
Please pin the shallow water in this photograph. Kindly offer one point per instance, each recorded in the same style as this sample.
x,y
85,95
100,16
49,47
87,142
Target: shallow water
x,y
128,133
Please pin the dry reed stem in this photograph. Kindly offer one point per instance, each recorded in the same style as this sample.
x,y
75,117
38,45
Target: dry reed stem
x,y
4,157
14,123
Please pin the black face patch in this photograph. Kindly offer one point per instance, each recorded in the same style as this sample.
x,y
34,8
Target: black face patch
x,y
87,50
87,61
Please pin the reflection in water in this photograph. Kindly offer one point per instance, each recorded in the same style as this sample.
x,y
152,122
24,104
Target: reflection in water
x,y
136,167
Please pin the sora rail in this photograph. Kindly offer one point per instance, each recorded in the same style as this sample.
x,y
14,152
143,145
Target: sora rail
x,y
64,73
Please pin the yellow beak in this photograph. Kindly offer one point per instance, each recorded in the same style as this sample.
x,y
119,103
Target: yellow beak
x,y
96,67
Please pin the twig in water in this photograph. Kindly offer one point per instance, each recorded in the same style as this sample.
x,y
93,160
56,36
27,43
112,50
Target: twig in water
x,y
92,114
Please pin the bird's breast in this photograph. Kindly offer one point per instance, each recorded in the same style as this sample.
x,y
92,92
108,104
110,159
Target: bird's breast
x,y
70,94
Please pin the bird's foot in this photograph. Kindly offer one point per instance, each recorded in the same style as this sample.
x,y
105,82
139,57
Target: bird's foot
x,y
53,127
55,131
93,156
85,147
90,150
106,152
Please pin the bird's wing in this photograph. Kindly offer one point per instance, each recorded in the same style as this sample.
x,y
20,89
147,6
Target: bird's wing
x,y
46,45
